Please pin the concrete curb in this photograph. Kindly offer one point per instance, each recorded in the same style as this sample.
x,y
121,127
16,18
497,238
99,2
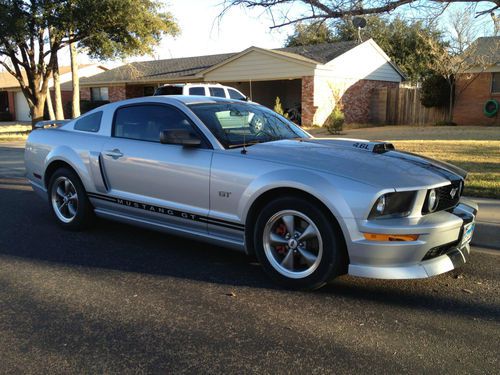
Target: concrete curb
x,y
487,232
487,235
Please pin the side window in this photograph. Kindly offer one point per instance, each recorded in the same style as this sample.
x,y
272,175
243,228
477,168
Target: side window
x,y
90,123
197,91
233,94
217,91
145,122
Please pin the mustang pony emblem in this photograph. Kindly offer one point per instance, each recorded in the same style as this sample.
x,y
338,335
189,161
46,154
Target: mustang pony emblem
x,y
453,192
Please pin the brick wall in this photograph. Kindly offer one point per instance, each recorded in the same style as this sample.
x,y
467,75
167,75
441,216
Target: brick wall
x,y
85,93
134,91
357,98
117,93
308,108
472,91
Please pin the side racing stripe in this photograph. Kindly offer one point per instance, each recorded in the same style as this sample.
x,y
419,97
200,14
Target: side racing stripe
x,y
168,211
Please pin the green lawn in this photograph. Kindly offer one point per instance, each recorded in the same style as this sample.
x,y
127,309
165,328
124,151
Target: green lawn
x,y
473,148
14,132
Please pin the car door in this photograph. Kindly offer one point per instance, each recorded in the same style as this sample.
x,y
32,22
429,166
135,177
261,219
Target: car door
x,y
148,179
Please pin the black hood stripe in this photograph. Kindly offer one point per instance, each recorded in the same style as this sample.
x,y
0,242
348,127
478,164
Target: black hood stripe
x,y
446,170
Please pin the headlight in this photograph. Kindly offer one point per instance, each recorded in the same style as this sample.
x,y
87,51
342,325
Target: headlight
x,y
432,201
393,205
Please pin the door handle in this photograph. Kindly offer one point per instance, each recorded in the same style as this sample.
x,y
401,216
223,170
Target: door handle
x,y
115,153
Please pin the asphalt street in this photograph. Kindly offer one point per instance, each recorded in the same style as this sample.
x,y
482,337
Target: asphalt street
x,y
118,299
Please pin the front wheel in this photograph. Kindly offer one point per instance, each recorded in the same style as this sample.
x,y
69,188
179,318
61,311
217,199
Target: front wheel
x,y
68,200
298,245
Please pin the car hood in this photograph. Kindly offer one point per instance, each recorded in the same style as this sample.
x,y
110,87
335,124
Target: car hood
x,y
373,163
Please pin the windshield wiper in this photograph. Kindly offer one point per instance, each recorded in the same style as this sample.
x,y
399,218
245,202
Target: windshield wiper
x,y
236,145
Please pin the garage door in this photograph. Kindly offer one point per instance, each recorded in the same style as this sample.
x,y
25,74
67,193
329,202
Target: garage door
x,y
22,108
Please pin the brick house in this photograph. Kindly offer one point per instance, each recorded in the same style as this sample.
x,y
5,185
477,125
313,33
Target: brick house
x,y
13,104
308,77
479,85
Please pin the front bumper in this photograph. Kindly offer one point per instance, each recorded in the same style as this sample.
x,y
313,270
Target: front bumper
x,y
438,249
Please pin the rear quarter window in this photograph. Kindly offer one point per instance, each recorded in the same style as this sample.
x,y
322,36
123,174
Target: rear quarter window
x,y
90,123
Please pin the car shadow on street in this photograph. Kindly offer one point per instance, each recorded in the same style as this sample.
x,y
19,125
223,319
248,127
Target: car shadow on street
x,y
28,231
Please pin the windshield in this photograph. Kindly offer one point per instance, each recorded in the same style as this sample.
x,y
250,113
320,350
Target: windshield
x,y
236,124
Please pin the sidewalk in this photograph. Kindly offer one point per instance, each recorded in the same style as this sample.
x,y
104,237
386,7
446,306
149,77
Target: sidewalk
x,y
487,232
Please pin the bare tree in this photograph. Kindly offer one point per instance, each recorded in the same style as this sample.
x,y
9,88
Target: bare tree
x,y
463,30
465,66
318,10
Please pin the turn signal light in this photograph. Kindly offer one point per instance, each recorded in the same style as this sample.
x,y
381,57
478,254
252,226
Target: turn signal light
x,y
390,237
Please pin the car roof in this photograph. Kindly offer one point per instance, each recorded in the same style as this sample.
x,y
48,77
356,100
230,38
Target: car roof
x,y
191,99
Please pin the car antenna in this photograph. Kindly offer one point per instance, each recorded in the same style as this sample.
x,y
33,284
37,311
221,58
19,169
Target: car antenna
x,y
244,151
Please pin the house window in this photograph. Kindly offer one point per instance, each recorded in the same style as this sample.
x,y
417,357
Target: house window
x,y
495,83
99,93
149,90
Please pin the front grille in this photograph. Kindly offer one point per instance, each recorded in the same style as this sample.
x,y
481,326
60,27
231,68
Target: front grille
x,y
447,200
439,250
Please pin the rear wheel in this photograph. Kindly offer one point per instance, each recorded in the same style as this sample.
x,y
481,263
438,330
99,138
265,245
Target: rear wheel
x,y
68,200
297,244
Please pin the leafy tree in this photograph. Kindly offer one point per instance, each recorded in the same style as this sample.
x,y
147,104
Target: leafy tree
x,y
32,32
405,42
24,51
435,91
310,33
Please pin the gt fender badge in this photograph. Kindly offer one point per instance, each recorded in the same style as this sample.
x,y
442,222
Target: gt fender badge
x,y
224,194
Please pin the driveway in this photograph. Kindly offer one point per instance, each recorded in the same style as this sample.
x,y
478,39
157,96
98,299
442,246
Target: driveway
x,y
119,299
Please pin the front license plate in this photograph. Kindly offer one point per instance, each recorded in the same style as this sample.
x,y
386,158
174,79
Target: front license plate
x,y
468,231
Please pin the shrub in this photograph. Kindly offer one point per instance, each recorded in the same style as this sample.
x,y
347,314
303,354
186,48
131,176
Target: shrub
x,y
278,108
335,121
87,105
435,91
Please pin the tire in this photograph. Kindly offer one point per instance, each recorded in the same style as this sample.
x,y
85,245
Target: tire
x,y
311,257
68,200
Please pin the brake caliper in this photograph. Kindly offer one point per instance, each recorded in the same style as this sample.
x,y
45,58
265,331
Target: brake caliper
x,y
281,231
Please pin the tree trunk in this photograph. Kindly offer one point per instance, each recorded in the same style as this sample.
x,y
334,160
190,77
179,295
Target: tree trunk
x,y
50,107
57,92
37,110
450,109
75,80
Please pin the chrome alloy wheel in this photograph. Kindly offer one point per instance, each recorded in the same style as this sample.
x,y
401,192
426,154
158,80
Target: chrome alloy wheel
x,y
64,199
292,244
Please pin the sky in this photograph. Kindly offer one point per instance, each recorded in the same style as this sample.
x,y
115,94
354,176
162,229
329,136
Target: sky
x,y
203,32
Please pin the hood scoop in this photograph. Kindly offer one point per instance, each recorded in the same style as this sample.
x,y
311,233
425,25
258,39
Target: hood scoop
x,y
360,144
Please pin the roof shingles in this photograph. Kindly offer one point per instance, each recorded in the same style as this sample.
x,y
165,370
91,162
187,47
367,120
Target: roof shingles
x,y
169,69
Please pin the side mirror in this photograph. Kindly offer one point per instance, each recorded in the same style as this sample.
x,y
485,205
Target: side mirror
x,y
179,137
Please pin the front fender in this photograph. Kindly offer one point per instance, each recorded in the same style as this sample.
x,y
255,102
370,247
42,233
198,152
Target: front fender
x,y
306,181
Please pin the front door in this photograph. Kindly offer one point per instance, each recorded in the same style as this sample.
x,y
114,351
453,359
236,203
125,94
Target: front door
x,y
160,182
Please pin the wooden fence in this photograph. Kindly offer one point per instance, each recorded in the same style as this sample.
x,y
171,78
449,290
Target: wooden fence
x,y
402,106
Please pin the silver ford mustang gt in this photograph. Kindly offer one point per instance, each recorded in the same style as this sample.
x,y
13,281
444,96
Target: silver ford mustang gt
x,y
239,175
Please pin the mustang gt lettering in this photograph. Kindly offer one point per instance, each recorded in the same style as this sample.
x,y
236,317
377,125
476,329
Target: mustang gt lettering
x,y
239,175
